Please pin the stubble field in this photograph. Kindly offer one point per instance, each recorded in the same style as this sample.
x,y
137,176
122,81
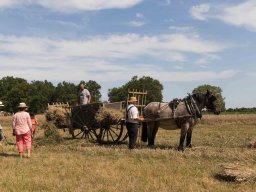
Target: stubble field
x,y
77,165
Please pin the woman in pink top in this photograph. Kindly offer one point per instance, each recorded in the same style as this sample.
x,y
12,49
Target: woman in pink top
x,y
22,127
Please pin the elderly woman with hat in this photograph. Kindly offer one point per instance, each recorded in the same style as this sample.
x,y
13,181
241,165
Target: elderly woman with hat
x,y
132,121
22,127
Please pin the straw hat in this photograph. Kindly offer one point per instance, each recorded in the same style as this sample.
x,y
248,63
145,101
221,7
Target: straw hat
x,y
1,104
22,105
132,99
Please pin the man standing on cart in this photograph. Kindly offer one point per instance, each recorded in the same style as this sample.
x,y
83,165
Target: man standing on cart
x,y
132,120
84,96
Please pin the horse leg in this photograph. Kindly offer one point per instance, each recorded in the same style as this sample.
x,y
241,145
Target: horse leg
x,y
183,133
189,137
154,132
150,129
144,134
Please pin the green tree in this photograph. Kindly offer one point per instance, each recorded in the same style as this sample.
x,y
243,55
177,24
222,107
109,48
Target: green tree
x,y
13,91
40,94
215,90
152,86
65,92
94,89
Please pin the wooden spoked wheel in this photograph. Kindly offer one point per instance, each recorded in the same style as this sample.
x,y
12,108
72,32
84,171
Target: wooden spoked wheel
x,y
80,128
112,133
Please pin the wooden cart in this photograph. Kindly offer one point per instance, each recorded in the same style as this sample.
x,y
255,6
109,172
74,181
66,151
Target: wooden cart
x,y
83,124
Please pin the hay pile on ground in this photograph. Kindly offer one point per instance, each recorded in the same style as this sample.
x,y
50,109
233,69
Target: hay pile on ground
x,y
58,115
236,173
51,134
106,116
252,144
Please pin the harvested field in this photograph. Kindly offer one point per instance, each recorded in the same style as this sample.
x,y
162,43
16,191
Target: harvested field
x,y
237,173
78,165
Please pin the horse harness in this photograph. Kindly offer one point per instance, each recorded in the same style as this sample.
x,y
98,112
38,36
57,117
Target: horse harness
x,y
192,107
190,104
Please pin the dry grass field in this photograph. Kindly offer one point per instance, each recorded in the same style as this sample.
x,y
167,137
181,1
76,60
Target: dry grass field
x,y
77,165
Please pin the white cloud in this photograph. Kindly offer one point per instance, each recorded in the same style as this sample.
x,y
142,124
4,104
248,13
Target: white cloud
x,y
182,29
129,46
193,76
58,70
139,15
198,11
241,15
73,5
136,23
7,3
104,58
207,58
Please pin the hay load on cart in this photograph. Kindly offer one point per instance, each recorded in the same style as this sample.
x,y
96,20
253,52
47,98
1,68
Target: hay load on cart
x,y
58,114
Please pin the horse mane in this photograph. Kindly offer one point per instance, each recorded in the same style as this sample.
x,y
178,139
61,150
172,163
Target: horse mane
x,y
199,97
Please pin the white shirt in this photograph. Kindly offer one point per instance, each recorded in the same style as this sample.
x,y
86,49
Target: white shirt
x,y
83,96
132,114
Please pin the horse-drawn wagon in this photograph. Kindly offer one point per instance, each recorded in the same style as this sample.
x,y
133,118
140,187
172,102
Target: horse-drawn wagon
x,y
85,123
98,122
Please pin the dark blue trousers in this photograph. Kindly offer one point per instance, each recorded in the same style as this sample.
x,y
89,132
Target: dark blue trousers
x,y
132,129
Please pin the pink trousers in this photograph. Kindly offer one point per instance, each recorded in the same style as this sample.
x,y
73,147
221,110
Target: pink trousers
x,y
23,139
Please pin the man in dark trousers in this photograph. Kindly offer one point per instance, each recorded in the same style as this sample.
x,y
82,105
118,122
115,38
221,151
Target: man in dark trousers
x,y
132,121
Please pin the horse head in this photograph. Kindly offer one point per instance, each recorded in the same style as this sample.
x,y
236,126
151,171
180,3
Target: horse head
x,y
211,103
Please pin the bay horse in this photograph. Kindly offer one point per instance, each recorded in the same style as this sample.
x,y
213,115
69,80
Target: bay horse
x,y
177,114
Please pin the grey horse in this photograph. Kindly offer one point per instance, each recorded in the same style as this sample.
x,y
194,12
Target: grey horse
x,y
177,114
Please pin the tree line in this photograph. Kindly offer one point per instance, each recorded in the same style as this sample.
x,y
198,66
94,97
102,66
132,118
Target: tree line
x,y
37,94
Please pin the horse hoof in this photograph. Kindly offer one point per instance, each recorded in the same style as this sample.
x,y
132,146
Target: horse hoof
x,y
189,145
181,149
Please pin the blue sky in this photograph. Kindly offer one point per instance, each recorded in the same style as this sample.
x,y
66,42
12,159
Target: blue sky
x,y
181,43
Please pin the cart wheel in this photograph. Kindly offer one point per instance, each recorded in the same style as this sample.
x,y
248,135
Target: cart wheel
x,y
83,131
111,133
125,136
77,133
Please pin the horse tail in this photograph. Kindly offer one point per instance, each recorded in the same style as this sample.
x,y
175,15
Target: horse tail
x,y
144,133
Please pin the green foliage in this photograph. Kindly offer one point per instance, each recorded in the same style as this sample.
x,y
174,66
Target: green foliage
x,y
13,91
38,94
215,91
66,92
153,87
242,110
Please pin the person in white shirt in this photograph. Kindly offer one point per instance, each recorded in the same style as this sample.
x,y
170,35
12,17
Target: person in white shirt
x,y
132,121
84,96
